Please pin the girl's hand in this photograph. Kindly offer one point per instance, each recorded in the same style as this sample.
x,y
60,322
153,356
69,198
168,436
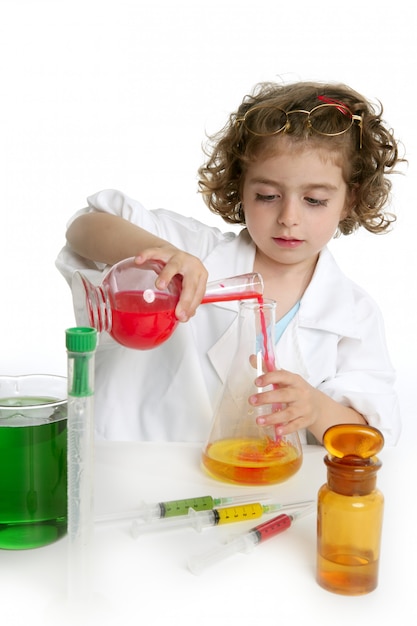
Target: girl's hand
x,y
295,403
194,276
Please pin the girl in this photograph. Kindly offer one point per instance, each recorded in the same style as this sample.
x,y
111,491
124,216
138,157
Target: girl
x,y
295,165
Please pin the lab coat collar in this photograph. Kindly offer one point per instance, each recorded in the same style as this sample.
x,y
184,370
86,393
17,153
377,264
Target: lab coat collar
x,y
328,303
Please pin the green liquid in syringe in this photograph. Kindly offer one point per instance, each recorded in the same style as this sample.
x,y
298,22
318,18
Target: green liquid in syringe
x,y
174,508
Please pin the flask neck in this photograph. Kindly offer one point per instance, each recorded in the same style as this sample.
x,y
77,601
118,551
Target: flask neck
x,y
352,476
91,303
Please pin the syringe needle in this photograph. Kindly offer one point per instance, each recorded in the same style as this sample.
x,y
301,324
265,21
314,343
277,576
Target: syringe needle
x,y
215,517
247,541
173,508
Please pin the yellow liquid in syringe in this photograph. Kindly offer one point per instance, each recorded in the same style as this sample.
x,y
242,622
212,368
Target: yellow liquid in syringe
x,y
241,513
252,461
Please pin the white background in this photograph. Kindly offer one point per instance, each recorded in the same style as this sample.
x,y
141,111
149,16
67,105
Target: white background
x,y
120,94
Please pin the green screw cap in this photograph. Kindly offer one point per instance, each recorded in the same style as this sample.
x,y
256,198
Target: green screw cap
x,y
81,339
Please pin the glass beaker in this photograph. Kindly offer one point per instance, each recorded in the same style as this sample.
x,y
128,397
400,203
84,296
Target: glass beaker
x,y
238,450
134,312
33,460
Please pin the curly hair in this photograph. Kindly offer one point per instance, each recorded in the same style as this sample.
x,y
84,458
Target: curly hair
x,y
366,161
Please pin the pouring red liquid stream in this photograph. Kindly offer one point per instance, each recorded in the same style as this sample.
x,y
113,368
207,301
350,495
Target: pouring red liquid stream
x,y
269,359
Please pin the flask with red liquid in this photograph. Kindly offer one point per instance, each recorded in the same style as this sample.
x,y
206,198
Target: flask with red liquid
x,y
238,450
350,510
134,312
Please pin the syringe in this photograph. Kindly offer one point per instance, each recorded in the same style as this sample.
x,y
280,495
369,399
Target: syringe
x,y
247,541
215,517
174,508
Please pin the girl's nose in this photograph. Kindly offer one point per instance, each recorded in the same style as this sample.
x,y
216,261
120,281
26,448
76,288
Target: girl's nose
x,y
288,214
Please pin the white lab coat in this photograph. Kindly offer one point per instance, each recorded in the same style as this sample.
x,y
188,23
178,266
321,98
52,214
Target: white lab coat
x,y
336,341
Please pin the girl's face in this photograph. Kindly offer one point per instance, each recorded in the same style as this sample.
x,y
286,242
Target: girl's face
x,y
293,202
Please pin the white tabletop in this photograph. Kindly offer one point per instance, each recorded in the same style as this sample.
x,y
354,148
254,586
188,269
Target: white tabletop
x,y
148,576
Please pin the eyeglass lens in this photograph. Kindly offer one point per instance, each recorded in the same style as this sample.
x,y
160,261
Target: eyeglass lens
x,y
326,119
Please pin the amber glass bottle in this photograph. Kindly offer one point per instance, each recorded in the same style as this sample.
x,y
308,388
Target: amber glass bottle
x,y
350,511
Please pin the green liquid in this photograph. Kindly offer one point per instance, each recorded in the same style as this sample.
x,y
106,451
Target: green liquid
x,y
175,508
33,472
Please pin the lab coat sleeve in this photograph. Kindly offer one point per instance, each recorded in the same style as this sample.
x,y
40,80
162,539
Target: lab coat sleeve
x,y
183,232
364,378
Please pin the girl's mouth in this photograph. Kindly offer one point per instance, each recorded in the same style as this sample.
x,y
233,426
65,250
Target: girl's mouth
x,y
287,243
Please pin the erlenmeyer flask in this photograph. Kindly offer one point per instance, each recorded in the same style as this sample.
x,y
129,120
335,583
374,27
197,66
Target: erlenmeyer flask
x,y
238,450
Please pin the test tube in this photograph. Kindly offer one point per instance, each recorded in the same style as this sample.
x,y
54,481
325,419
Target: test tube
x,y
243,287
175,508
81,344
215,517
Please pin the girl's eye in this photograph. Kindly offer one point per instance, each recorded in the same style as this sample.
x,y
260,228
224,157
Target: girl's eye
x,y
316,202
266,197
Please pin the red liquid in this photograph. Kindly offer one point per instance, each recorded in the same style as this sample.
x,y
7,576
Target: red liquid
x,y
245,295
273,526
269,358
140,324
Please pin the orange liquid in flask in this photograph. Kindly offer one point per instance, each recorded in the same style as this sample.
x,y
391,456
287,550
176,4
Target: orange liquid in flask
x,y
252,461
